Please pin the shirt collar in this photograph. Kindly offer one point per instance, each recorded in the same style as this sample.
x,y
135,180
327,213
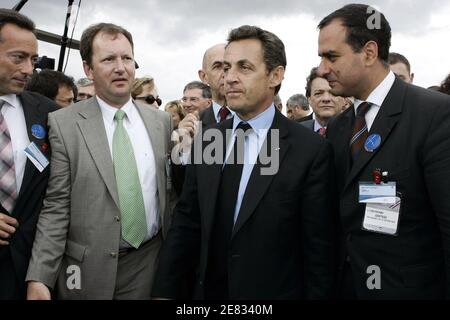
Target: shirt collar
x,y
11,99
261,123
317,126
380,93
109,112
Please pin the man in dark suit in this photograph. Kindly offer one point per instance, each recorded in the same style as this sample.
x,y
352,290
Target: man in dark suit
x,y
23,120
398,131
257,229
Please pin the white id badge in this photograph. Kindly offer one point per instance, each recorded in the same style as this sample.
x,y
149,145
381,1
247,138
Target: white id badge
x,y
370,192
36,156
382,217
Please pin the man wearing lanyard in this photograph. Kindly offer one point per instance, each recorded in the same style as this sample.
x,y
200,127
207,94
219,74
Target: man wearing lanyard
x,y
392,159
23,126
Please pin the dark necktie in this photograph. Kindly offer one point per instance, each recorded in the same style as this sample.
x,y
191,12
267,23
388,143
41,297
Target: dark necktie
x,y
223,113
217,272
8,191
359,132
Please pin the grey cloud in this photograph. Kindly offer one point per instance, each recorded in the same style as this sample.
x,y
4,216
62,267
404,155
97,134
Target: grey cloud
x,y
183,21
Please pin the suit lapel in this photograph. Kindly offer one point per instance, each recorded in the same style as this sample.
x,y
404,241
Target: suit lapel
x,y
383,125
155,132
258,183
341,139
213,174
92,128
33,116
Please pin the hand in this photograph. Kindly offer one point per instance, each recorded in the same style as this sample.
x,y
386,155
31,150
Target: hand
x,y
190,123
38,291
8,225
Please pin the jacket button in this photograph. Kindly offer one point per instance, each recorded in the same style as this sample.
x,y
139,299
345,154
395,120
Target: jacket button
x,y
117,218
113,254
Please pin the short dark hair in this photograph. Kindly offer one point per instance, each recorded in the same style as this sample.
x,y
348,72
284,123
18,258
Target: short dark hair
x,y
355,18
399,58
15,18
206,90
87,38
312,75
274,54
299,100
445,85
47,83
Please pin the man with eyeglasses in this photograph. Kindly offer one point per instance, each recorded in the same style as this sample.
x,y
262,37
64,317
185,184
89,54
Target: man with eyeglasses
x,y
86,89
196,97
23,121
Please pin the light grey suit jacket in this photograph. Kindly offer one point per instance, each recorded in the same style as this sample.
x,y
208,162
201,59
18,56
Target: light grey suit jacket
x,y
79,224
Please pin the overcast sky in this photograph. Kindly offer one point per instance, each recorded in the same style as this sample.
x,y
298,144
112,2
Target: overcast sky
x,y
171,36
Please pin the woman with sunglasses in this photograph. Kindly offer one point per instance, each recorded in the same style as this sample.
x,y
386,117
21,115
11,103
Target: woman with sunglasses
x,y
144,92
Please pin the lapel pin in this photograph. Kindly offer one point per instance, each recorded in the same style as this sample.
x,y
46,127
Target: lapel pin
x,y
376,174
372,143
38,131
44,147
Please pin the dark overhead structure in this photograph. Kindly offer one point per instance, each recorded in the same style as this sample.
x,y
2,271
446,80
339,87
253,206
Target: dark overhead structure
x,y
54,38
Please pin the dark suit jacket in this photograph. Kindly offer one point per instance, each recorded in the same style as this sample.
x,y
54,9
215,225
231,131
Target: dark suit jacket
x,y
281,245
414,125
28,203
308,124
310,117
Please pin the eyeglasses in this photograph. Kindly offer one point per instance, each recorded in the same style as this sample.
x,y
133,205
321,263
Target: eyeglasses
x,y
191,99
150,99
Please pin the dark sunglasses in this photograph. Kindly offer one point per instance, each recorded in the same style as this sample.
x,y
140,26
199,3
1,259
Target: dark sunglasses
x,y
150,99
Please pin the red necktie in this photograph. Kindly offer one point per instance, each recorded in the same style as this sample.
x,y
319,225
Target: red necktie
x,y
322,131
359,132
223,113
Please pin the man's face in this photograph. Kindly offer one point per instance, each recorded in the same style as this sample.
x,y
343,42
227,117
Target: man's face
x,y
322,101
343,68
112,68
18,54
249,87
293,112
213,69
85,92
65,97
401,71
193,101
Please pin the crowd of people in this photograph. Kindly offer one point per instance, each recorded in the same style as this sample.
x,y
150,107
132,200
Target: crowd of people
x,y
103,195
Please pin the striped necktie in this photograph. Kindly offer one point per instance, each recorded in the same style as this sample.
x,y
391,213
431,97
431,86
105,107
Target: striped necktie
x,y
359,132
8,191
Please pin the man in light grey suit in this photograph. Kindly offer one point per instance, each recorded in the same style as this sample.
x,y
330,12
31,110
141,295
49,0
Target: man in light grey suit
x,y
105,212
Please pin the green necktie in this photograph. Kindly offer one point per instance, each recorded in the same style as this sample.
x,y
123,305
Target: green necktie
x,y
131,201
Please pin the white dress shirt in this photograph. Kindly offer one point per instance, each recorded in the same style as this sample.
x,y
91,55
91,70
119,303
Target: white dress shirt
x,y
144,155
12,112
376,98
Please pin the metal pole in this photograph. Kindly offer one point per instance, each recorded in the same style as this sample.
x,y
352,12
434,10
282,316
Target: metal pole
x,y
64,38
19,6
